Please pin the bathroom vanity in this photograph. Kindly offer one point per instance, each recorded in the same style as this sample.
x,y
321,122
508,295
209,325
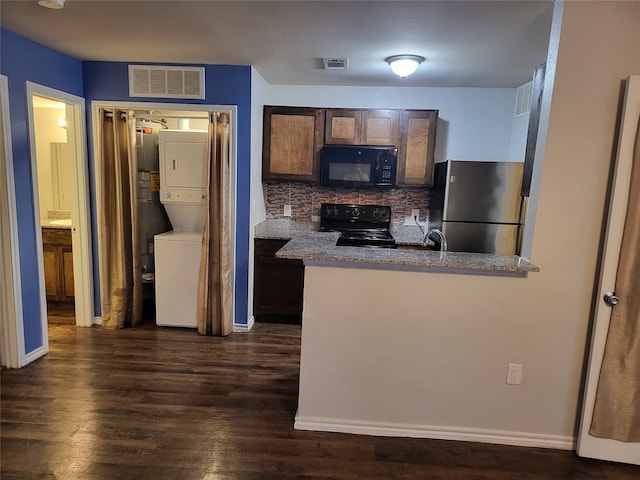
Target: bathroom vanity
x,y
58,263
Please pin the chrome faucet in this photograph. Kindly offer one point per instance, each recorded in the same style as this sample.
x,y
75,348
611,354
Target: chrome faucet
x,y
443,239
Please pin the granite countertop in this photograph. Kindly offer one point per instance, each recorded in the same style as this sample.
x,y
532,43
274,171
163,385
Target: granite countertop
x,y
318,248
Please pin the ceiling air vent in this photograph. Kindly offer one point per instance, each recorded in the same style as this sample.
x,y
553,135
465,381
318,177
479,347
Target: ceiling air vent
x,y
523,99
166,81
335,63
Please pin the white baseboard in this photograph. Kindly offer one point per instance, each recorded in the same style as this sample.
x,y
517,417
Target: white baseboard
x,y
501,437
34,355
242,327
97,320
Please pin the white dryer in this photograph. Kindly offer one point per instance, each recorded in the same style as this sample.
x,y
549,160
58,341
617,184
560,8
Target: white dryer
x,y
184,157
184,160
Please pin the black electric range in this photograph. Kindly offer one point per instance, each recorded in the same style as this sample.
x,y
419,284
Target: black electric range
x,y
359,225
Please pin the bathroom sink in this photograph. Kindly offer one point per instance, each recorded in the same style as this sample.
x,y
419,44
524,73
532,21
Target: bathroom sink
x,y
63,222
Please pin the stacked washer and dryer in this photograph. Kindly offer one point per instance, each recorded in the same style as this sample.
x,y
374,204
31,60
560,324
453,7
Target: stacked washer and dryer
x,y
183,183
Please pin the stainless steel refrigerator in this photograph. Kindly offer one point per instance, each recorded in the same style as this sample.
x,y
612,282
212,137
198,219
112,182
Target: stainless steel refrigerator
x,y
478,205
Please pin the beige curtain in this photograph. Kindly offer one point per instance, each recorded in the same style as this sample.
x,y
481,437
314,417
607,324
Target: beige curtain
x,y
616,412
215,308
120,287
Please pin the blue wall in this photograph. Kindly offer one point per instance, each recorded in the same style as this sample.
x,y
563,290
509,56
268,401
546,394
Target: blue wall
x,y
22,60
224,85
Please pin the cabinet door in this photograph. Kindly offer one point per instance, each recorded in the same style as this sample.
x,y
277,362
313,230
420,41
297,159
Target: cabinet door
x,y
67,272
278,284
343,127
380,127
292,138
57,255
51,257
279,289
415,152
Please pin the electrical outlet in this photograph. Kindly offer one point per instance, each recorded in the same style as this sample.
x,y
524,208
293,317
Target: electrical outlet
x,y
287,210
514,374
415,213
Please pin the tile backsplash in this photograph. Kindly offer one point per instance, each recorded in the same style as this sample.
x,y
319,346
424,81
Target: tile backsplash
x,y
305,200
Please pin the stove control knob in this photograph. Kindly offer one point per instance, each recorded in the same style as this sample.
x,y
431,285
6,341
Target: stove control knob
x,y
335,211
384,213
376,213
355,212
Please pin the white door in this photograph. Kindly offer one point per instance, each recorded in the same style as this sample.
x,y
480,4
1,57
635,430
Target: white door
x,y
11,325
589,446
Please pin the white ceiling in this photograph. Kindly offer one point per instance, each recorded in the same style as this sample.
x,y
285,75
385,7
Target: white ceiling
x,y
465,43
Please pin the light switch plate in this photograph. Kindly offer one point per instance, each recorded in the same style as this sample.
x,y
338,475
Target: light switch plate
x,y
514,374
287,210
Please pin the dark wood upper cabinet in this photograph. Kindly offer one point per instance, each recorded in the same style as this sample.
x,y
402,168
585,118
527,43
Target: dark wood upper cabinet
x,y
343,127
416,148
294,136
292,139
380,127
361,127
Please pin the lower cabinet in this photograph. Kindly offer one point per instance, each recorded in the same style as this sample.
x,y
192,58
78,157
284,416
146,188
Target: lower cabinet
x,y
278,285
58,264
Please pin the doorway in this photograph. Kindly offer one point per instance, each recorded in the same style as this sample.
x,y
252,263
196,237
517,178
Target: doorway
x,y
590,445
149,118
61,205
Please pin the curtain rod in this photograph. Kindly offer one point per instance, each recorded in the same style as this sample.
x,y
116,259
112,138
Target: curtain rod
x,y
194,117
202,116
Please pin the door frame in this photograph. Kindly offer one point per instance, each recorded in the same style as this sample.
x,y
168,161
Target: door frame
x,y
81,230
231,110
589,446
12,353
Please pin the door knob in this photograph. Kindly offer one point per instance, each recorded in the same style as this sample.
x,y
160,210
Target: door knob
x,y
610,299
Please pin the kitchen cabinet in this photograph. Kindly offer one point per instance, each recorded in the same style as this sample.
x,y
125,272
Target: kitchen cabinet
x,y
278,285
294,136
416,147
58,264
292,139
361,127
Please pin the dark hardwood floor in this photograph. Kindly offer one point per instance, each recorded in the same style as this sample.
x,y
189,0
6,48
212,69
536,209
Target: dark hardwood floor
x,y
160,403
61,312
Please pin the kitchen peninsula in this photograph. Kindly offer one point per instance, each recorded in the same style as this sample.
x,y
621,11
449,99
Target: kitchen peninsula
x,y
399,342
318,248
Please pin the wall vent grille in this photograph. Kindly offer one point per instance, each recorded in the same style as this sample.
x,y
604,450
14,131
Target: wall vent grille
x,y
334,63
523,99
166,81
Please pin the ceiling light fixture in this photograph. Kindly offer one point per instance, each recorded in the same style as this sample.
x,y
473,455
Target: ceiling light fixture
x,y
55,4
404,65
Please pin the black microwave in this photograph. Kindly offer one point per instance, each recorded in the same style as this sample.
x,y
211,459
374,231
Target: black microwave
x,y
358,166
